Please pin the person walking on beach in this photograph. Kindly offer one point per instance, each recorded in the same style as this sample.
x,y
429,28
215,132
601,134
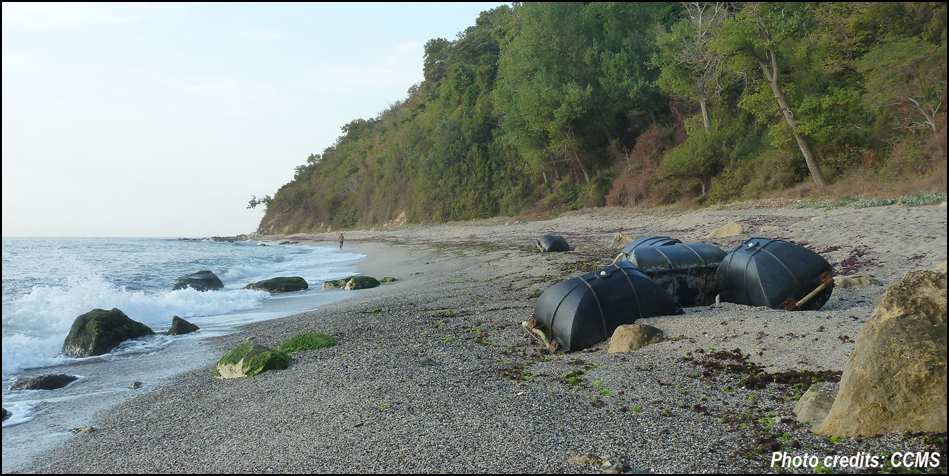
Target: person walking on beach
x,y
340,241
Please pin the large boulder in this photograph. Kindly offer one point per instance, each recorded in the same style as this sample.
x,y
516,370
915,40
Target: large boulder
x,y
630,337
895,379
43,382
249,359
99,331
180,326
282,284
201,281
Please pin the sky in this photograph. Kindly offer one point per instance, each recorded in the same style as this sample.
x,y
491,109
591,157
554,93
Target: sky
x,y
164,120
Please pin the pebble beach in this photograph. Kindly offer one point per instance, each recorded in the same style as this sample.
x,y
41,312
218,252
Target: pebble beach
x,y
434,373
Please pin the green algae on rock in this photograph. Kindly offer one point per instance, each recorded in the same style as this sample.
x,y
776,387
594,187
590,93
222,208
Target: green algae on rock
x,y
282,284
249,359
307,341
180,326
99,331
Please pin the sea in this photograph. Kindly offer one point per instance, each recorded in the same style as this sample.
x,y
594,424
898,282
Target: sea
x,y
48,282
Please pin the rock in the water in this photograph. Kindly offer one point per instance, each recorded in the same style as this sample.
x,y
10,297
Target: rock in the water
x,y
43,382
180,326
249,359
816,402
731,229
895,379
361,282
99,331
629,337
283,284
201,281
6,414
307,341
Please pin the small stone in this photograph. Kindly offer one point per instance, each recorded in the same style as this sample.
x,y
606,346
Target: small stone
x,y
135,385
816,403
620,241
731,229
83,429
428,362
855,281
630,337
586,459
618,468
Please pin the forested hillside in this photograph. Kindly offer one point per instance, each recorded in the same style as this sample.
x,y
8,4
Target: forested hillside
x,y
556,106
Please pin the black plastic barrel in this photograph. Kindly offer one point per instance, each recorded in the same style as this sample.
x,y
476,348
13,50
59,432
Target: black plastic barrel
x,y
552,243
584,310
764,272
685,270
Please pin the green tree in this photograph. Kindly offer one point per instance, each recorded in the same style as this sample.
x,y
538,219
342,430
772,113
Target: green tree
x,y
689,68
757,37
573,79
907,72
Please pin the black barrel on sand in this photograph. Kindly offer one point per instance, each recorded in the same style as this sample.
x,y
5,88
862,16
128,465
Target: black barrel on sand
x,y
685,270
552,243
776,274
580,312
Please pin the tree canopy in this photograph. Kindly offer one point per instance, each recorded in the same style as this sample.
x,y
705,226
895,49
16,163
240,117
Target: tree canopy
x,y
566,105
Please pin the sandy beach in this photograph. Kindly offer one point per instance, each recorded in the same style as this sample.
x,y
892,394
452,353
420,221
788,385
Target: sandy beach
x,y
434,372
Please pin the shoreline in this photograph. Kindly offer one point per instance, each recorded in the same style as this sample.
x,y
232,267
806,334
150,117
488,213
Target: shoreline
x,y
433,372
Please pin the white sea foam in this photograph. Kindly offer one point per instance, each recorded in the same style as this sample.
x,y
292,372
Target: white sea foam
x,y
47,283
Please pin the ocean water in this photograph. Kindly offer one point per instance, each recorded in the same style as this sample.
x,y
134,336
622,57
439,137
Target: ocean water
x,y
48,282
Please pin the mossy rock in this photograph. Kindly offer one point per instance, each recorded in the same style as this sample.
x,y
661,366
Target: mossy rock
x,y
361,282
180,326
249,359
201,281
335,284
307,341
282,284
388,279
99,331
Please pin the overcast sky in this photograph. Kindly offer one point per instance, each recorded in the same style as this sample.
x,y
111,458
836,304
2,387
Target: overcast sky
x,y
163,120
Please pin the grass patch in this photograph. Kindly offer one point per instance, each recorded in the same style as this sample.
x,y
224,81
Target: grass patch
x,y
927,198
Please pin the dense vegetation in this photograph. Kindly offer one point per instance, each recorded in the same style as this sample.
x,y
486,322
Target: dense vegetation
x,y
556,106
